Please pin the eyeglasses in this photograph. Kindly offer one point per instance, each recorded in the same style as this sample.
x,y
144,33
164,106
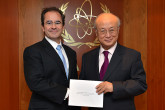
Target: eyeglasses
x,y
49,22
111,31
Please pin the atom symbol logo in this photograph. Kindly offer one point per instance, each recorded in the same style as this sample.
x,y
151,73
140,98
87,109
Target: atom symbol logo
x,y
83,22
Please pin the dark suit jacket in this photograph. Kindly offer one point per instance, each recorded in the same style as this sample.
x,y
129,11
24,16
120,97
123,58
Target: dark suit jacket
x,y
45,75
125,71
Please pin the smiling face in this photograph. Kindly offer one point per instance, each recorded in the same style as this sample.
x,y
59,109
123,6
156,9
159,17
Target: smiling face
x,y
107,26
53,26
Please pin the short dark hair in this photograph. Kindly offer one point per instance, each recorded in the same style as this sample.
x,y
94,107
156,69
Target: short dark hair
x,y
45,10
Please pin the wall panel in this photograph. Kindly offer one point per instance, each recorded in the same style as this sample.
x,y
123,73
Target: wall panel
x,y
156,55
9,55
135,36
30,32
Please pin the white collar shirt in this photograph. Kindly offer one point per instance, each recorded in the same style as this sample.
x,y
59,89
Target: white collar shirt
x,y
101,55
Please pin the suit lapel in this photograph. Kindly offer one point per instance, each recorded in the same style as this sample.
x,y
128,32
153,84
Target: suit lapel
x,y
96,62
115,60
52,53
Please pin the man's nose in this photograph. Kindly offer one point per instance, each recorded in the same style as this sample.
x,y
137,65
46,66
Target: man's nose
x,y
53,26
108,34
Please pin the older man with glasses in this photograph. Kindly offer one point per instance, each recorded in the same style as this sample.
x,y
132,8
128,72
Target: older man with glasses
x,y
120,68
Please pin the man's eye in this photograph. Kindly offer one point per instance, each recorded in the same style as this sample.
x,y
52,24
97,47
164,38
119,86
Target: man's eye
x,y
48,22
111,30
102,30
58,22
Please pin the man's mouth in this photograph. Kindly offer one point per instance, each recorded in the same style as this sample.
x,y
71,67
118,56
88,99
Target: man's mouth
x,y
108,40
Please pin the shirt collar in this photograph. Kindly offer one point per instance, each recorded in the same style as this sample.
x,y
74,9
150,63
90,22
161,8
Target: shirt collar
x,y
53,43
111,50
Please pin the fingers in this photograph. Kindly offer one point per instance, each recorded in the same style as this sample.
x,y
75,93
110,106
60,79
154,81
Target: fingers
x,y
104,87
100,88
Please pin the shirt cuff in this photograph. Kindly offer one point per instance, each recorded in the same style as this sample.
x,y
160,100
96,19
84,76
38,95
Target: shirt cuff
x,y
67,94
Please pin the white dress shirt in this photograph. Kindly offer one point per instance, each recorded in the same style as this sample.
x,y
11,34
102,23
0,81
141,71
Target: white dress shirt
x,y
101,54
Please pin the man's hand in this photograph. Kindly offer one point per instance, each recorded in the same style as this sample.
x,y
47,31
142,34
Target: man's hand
x,y
104,87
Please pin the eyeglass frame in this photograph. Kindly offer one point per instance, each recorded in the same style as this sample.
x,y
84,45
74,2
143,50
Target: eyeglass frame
x,y
104,31
50,22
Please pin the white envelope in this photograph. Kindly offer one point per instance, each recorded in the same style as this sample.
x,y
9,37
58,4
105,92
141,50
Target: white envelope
x,y
83,93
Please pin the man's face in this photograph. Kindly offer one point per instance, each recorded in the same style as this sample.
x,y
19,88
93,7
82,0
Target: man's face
x,y
107,31
53,27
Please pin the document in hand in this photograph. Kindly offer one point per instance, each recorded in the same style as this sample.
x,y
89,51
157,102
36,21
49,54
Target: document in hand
x,y
83,93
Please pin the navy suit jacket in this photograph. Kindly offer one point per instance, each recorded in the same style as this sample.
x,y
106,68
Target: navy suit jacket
x,y
45,76
125,71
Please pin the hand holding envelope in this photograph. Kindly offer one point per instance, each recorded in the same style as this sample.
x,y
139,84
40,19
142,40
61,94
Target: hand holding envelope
x,y
83,93
104,87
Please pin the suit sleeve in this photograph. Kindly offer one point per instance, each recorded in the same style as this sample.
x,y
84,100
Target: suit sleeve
x,y
135,85
37,82
75,73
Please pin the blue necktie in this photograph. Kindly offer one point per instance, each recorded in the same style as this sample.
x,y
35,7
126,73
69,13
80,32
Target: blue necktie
x,y
62,58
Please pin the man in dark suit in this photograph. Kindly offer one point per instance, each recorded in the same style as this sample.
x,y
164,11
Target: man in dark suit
x,y
119,67
49,64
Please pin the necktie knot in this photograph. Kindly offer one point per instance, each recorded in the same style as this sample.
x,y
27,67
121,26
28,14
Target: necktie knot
x,y
58,47
106,53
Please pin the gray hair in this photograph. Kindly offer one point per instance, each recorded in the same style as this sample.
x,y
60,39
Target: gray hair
x,y
119,22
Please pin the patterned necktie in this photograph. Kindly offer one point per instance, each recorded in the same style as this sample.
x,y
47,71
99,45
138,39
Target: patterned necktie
x,y
104,66
62,58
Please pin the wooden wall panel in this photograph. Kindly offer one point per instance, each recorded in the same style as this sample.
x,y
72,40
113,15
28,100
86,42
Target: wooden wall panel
x,y
156,55
30,32
9,55
135,36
